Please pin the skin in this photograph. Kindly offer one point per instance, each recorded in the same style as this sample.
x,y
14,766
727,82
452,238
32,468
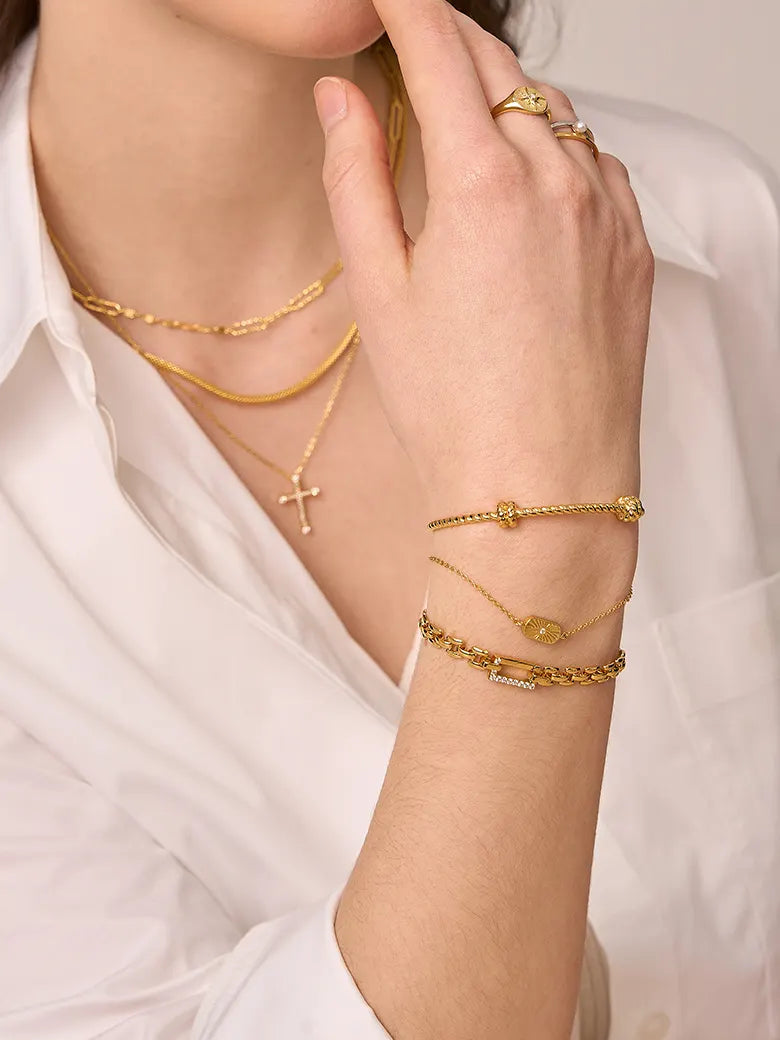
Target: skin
x,y
504,319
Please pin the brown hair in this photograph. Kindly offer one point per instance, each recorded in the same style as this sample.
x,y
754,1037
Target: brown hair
x,y
18,17
490,14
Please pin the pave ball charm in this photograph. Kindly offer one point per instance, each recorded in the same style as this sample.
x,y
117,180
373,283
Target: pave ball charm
x,y
630,509
507,514
541,630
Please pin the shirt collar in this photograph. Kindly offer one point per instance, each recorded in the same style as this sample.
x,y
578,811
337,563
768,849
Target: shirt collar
x,y
36,288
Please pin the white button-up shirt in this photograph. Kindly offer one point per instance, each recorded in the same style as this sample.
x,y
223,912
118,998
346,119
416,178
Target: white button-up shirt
x,y
191,744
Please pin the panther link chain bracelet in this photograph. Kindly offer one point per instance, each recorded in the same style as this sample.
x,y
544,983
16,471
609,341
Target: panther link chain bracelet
x,y
537,674
627,508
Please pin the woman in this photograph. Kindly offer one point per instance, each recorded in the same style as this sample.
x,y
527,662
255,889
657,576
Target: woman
x,y
202,661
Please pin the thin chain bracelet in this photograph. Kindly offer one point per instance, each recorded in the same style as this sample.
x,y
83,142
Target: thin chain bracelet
x,y
539,629
627,508
537,674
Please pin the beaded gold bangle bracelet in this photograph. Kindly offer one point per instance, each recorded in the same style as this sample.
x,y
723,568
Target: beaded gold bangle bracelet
x,y
537,674
627,508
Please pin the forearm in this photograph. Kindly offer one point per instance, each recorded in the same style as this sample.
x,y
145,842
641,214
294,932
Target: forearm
x,y
510,336
465,914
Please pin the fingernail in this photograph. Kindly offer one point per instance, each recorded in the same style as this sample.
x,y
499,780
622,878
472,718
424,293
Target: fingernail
x,y
330,98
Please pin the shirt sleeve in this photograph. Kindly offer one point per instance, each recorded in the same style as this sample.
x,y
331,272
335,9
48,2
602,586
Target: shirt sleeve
x,y
105,935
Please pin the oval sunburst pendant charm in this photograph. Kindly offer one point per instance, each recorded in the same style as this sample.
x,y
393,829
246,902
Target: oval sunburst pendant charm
x,y
541,630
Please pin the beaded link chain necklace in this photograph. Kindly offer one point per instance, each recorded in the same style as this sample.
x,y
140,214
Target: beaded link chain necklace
x,y
346,349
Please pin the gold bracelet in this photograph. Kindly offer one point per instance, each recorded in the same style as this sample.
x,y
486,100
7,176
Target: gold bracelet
x,y
537,674
541,630
627,508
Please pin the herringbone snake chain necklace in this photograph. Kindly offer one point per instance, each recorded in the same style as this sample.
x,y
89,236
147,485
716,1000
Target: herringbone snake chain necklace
x,y
396,139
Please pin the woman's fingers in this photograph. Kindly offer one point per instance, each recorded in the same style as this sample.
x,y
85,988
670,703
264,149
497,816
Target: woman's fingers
x,y
455,72
440,78
618,184
499,73
363,201
562,111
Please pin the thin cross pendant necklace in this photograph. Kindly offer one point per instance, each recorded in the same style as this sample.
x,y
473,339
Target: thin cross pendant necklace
x,y
298,494
180,379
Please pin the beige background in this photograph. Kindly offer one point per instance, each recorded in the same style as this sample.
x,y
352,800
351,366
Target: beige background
x,y
715,59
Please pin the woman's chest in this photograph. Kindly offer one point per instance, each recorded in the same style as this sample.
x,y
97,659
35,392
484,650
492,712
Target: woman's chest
x,y
354,515
192,673
195,674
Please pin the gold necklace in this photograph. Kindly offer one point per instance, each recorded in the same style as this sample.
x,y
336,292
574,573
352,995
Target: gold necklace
x,y
298,494
258,323
163,365
273,396
396,131
396,139
396,144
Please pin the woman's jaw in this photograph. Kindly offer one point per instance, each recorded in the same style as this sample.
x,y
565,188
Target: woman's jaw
x,y
297,28
186,130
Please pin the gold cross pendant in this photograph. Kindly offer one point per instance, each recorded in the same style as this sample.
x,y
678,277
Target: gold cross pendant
x,y
297,495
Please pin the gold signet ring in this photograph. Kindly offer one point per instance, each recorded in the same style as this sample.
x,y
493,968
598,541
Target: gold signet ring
x,y
524,99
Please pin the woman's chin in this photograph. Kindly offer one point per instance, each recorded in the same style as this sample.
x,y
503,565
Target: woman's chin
x,y
323,29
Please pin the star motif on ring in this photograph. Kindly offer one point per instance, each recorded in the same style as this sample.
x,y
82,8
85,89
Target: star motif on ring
x,y
530,100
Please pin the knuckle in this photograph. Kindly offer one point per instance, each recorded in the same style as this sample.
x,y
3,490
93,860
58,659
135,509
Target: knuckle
x,y
439,20
501,51
341,170
559,100
612,161
622,168
482,42
636,252
571,186
643,258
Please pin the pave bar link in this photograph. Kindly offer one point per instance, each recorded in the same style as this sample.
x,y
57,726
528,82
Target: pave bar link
x,y
537,674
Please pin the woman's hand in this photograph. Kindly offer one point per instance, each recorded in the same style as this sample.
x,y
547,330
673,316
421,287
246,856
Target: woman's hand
x,y
508,344
509,341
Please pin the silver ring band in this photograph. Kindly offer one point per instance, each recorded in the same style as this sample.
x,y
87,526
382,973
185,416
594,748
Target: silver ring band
x,y
575,127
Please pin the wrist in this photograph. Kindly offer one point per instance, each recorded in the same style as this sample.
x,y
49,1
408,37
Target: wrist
x,y
547,547
478,486
567,569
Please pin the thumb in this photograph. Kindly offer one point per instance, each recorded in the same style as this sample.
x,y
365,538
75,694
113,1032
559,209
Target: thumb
x,y
359,184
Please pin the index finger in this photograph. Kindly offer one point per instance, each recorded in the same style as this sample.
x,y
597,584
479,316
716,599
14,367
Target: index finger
x,y
439,74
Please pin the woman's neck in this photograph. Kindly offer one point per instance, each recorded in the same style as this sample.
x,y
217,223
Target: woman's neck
x,y
181,169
